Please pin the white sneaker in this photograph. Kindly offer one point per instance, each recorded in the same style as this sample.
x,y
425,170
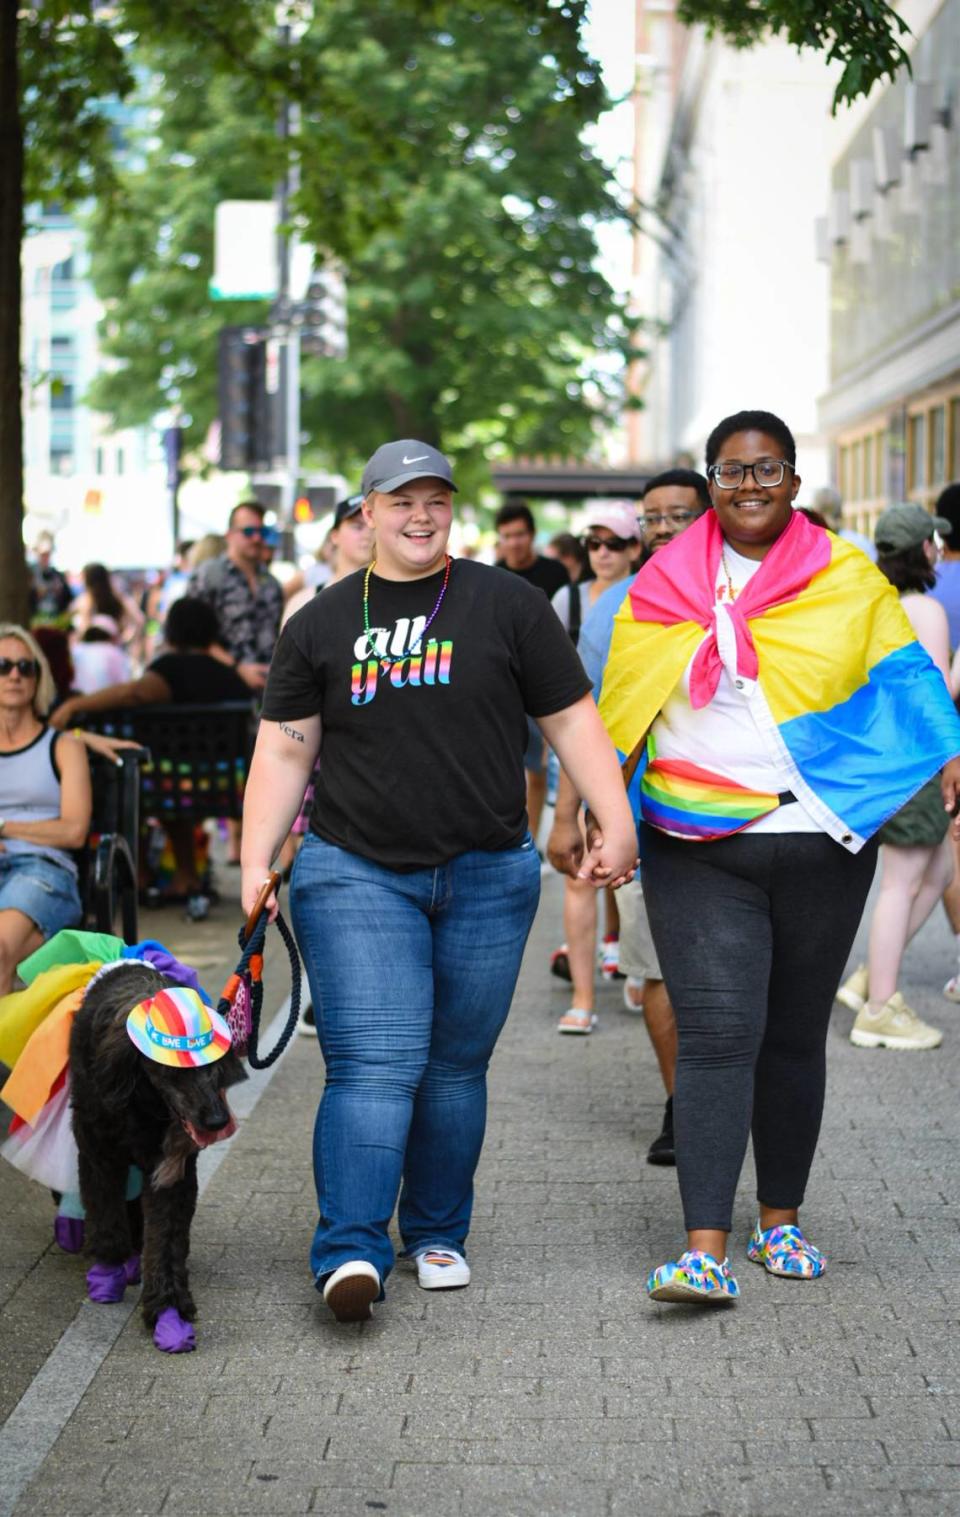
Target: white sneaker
x,y
609,956
952,988
350,1289
853,992
895,1025
441,1269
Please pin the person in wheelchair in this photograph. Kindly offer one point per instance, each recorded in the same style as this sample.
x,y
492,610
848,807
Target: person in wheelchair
x,y
195,669
45,806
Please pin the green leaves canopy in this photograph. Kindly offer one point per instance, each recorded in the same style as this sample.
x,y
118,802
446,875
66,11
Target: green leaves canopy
x,y
862,35
442,158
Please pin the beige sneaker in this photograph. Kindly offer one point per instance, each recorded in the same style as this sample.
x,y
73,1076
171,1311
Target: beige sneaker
x,y
895,1025
853,991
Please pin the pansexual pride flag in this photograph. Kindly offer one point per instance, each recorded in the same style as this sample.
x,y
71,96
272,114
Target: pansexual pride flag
x,y
856,711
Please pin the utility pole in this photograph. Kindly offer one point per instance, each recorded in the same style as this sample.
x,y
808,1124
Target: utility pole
x,y
288,127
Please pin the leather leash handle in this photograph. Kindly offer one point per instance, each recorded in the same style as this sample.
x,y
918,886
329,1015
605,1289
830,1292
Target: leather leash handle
x,y
267,889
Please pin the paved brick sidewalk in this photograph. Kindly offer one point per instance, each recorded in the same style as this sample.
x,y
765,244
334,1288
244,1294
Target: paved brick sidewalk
x,y
550,1386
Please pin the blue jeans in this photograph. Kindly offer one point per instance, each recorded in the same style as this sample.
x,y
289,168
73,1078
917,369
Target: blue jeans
x,y
411,977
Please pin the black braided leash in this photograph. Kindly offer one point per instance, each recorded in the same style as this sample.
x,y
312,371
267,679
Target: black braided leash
x,y
251,946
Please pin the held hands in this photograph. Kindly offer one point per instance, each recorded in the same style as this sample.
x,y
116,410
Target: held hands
x,y
565,846
611,857
950,790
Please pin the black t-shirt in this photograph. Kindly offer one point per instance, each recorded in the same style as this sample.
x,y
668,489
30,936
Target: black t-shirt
x,y
548,574
199,679
422,758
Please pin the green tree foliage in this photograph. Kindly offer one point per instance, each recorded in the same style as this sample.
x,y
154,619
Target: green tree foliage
x,y
862,35
442,158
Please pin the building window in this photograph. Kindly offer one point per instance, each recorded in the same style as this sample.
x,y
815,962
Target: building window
x,y
119,461
843,472
917,459
98,460
61,460
938,444
868,483
61,395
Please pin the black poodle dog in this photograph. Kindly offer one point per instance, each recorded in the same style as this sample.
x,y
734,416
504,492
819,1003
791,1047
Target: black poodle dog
x,y
130,1110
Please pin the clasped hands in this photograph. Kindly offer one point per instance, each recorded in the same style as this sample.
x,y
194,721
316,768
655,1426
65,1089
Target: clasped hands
x,y
598,859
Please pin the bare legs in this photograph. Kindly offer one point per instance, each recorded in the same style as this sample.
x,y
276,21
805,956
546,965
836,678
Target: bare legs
x,y
912,882
18,939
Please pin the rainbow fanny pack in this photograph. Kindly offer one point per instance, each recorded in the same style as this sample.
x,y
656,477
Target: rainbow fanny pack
x,y
686,801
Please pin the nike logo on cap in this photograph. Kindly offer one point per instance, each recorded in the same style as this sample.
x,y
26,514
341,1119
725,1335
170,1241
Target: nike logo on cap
x,y
422,459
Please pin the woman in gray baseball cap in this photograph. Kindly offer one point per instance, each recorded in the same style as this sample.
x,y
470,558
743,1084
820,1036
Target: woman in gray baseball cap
x,y
415,888
916,859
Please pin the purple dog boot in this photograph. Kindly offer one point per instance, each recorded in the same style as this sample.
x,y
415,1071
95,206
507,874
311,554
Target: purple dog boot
x,y
69,1233
106,1282
131,1268
172,1335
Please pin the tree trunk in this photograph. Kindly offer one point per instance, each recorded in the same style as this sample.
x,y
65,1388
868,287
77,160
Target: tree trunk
x,y
13,574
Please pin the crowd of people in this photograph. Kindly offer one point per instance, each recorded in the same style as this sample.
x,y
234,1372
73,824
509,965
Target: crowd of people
x,y
739,703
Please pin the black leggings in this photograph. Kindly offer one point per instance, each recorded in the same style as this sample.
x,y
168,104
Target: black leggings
x,y
752,934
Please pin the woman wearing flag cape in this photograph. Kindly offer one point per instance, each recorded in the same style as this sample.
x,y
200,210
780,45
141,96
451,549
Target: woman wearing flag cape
x,y
769,692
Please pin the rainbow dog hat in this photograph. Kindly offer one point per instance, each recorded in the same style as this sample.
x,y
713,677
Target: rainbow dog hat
x,y
175,1027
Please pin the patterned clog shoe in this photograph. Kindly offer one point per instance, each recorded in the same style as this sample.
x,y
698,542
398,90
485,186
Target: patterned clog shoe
x,y
695,1276
785,1251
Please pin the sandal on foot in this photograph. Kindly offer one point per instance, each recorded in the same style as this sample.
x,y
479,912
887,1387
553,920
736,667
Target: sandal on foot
x,y
576,1020
785,1251
630,985
695,1276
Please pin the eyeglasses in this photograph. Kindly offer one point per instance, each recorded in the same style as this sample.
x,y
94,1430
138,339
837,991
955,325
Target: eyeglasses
x,y
615,544
766,471
671,518
250,532
28,667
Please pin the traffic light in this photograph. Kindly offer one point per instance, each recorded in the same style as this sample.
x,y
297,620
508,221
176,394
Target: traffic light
x,y
244,412
323,314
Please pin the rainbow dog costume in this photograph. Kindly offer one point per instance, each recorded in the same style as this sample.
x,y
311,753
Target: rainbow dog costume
x,y
845,697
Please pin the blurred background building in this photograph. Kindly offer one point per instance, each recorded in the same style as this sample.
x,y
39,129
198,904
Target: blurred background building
x,y
891,240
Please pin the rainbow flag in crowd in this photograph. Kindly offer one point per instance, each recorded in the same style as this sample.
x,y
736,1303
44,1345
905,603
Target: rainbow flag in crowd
x,y
856,710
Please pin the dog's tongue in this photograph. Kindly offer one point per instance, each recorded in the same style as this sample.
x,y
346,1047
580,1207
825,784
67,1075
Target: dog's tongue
x,y
204,1137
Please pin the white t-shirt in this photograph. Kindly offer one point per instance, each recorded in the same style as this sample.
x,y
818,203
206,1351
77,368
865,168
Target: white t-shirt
x,y
724,736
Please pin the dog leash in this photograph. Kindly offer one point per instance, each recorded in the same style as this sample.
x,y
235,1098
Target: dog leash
x,y
242,998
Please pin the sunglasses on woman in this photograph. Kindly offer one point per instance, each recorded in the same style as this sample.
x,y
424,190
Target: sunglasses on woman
x,y
615,544
28,667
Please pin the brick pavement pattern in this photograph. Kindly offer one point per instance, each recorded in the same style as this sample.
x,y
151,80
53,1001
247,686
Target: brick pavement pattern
x,y
551,1385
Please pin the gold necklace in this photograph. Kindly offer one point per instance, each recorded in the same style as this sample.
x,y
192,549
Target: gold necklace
x,y
726,574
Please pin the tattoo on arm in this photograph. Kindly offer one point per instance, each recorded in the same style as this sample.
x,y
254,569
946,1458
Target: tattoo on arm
x,y
291,732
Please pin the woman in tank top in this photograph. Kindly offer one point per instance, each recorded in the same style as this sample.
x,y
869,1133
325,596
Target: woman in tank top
x,y
45,805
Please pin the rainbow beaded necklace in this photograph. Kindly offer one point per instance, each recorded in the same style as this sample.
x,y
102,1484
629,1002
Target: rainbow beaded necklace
x,y
448,562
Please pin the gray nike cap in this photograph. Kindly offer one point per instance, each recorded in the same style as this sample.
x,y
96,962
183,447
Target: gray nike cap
x,y
397,463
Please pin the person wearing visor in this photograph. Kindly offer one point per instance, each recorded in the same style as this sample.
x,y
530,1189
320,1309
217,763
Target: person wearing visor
x,y
773,709
352,543
416,887
916,859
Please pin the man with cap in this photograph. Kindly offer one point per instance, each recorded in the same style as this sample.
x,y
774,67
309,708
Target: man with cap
x,y
417,884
